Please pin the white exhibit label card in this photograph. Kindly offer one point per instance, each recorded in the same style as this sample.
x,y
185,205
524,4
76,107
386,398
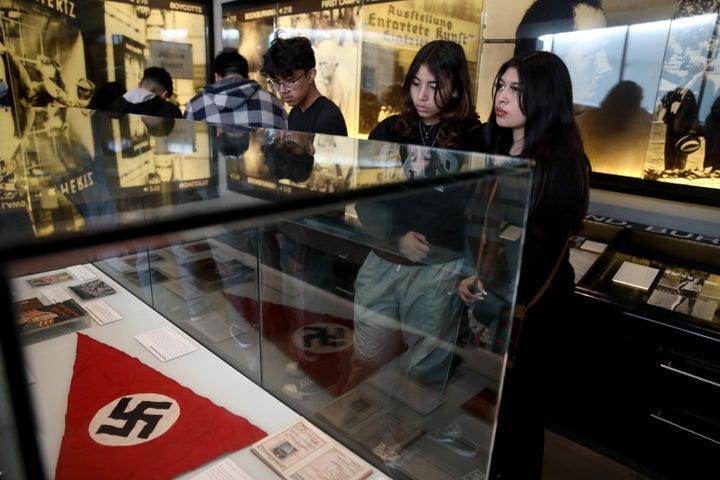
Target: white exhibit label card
x,y
165,343
56,294
512,233
225,470
81,272
593,246
101,312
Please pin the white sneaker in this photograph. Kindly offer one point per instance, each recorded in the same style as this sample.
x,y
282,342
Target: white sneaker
x,y
293,369
301,389
243,337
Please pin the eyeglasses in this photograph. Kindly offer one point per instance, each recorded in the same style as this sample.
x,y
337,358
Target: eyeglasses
x,y
289,86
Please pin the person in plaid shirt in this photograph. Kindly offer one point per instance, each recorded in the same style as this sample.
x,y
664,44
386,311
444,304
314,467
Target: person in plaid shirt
x,y
235,99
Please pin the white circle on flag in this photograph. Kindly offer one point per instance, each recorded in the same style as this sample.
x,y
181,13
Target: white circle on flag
x,y
323,337
134,419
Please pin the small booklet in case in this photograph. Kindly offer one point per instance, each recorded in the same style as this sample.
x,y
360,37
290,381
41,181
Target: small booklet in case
x,y
304,451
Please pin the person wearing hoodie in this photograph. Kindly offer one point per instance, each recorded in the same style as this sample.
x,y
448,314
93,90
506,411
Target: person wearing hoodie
x,y
235,99
150,96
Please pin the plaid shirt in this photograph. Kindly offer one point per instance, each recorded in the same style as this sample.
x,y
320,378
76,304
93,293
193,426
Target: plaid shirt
x,y
237,101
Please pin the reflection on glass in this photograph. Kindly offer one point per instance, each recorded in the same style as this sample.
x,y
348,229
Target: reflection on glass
x,y
616,134
594,59
643,60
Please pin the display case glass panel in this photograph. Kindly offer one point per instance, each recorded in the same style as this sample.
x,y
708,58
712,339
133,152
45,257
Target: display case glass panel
x,y
256,274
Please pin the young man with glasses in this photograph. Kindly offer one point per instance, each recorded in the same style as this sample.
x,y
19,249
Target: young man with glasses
x,y
289,66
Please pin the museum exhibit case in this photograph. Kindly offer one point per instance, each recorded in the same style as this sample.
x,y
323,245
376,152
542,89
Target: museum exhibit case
x,y
645,378
163,270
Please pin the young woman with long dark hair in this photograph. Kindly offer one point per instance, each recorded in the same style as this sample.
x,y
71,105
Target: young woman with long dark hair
x,y
533,118
436,105
402,302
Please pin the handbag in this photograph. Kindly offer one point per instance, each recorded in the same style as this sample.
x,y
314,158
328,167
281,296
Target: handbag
x,y
492,304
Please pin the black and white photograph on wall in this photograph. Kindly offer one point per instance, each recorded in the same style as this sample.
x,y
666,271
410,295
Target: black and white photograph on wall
x,y
249,30
393,32
13,185
44,52
628,93
684,146
60,56
334,35
577,32
613,70
158,33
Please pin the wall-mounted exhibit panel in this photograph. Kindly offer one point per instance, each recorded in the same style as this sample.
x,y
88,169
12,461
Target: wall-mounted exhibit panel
x,y
65,53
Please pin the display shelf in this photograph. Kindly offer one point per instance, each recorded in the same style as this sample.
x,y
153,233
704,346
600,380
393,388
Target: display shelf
x,y
645,368
683,279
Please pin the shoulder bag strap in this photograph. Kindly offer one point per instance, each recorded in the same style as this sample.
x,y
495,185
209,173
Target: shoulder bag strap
x,y
483,235
521,310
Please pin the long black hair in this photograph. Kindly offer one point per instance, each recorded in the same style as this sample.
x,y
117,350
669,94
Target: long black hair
x,y
546,99
447,63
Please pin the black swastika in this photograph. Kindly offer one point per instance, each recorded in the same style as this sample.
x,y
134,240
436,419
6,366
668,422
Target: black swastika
x,y
133,417
324,336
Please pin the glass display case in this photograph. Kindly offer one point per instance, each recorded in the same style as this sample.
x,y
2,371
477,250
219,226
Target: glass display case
x,y
660,275
645,345
247,268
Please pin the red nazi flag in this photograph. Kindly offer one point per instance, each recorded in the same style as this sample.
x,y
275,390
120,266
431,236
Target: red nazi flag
x,y
126,420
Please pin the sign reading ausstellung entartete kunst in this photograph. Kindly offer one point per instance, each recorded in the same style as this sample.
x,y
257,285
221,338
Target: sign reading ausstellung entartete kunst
x,y
393,32
415,23
362,49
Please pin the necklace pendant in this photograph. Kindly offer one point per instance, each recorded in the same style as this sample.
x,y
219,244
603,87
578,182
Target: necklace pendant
x,y
426,132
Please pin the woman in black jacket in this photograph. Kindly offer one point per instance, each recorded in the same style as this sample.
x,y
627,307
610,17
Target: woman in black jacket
x,y
533,118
